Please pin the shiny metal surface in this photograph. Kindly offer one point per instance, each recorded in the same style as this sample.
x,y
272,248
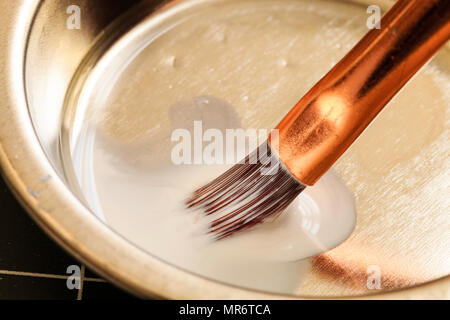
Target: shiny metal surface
x,y
332,115
38,57
54,54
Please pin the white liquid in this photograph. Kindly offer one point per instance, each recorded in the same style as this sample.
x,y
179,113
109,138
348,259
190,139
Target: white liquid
x,y
121,148
255,59
147,207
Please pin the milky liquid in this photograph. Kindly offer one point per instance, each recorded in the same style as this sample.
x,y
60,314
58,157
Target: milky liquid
x,y
147,207
232,64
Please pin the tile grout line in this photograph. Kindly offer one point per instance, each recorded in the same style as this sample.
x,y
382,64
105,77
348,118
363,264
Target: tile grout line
x,y
44,275
80,290
32,274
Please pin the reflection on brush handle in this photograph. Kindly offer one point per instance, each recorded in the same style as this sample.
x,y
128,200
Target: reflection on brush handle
x,y
329,118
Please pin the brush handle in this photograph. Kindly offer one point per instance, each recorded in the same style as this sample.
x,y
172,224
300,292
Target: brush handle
x,y
328,119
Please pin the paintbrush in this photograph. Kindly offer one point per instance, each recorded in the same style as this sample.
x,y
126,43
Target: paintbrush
x,y
327,120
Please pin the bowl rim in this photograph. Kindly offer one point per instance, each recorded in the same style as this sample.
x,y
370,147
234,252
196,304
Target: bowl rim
x,y
53,206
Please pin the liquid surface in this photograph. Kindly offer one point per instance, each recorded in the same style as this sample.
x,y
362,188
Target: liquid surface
x,y
146,205
244,64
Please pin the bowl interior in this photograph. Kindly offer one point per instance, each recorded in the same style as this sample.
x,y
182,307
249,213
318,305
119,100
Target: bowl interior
x,y
397,169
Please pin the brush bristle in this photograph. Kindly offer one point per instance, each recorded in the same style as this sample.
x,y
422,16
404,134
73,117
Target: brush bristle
x,y
247,194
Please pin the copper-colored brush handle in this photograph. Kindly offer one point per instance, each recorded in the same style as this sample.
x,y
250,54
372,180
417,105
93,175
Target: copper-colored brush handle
x,y
327,120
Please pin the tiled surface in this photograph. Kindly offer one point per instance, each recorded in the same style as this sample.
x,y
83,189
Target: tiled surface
x,y
32,266
23,287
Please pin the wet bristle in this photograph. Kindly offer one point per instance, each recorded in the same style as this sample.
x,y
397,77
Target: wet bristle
x,y
255,189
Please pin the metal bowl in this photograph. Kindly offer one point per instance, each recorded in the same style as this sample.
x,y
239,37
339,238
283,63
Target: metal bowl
x,y
39,55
